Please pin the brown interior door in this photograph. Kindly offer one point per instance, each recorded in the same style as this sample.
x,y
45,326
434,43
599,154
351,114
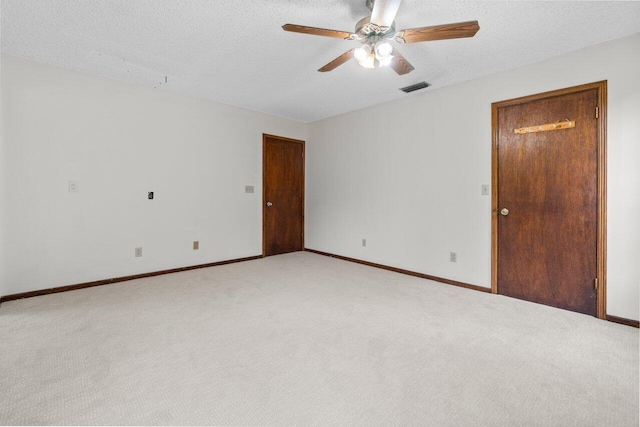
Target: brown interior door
x,y
547,202
283,197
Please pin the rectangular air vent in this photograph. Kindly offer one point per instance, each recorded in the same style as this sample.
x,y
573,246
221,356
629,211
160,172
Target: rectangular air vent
x,y
415,87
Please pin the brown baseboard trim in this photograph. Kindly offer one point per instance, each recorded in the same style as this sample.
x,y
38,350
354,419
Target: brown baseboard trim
x,y
119,279
623,321
402,271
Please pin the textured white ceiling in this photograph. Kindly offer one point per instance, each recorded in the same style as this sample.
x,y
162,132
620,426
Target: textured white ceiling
x,y
235,52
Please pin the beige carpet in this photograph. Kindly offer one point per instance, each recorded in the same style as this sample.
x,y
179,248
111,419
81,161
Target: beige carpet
x,y
309,340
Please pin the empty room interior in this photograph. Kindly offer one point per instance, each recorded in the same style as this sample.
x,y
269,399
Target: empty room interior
x,y
341,212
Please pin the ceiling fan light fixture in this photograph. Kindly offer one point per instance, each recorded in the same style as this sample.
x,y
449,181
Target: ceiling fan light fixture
x,y
370,61
383,49
386,61
362,53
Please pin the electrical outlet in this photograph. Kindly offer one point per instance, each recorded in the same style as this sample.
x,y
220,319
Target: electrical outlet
x,y
196,245
138,252
453,257
74,187
485,189
364,243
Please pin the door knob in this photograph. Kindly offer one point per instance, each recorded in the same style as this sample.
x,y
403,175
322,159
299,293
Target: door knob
x,y
269,204
504,212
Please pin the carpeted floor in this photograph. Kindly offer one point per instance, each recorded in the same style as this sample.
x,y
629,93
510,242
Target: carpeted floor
x,y
309,340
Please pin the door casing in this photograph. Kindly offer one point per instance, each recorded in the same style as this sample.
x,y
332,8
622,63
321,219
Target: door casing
x,y
601,240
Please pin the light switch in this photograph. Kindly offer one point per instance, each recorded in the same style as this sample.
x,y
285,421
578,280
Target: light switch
x,y
485,189
248,188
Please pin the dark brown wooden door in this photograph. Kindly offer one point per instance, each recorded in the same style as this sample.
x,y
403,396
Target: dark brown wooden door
x,y
283,182
548,182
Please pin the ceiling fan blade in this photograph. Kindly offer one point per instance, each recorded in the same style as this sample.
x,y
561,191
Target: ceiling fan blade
x,y
384,12
338,61
399,64
438,32
318,31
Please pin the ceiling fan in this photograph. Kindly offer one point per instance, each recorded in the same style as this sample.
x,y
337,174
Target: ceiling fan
x,y
375,32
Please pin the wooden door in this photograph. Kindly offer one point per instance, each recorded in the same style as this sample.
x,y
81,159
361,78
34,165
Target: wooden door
x,y
546,199
283,195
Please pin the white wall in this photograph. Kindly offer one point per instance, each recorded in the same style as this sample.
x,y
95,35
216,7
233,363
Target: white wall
x,y
120,141
3,268
407,175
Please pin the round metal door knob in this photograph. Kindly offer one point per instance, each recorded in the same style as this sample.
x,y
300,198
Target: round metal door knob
x,y
504,212
269,204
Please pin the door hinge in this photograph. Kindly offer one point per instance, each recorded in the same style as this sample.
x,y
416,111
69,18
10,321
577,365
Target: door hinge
x,y
595,283
597,112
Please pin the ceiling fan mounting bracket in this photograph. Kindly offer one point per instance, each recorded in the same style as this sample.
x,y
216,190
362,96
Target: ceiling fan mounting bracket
x,y
399,37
